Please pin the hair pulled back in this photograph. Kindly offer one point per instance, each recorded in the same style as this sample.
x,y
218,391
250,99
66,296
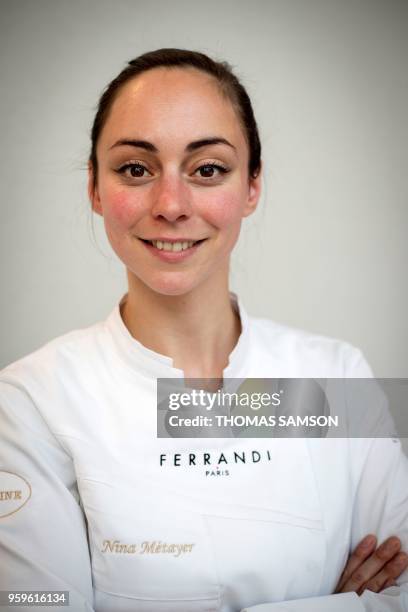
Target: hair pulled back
x,y
171,58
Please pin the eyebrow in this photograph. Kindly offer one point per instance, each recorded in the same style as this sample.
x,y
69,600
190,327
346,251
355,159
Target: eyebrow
x,y
192,146
206,142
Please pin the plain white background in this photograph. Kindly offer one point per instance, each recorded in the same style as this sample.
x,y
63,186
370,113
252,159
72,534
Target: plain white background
x,y
326,251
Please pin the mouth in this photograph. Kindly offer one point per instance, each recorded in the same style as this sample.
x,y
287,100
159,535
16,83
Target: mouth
x,y
173,246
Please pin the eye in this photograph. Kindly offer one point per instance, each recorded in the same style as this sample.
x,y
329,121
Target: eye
x,y
210,171
134,170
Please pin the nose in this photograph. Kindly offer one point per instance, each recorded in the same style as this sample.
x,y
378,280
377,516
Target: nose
x,y
171,199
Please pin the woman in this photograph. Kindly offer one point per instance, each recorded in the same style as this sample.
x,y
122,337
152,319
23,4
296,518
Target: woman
x,y
124,520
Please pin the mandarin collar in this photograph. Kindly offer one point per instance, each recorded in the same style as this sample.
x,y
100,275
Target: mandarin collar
x,y
155,365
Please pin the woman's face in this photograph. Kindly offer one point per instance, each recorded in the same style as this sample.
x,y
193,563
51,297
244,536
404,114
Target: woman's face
x,y
172,182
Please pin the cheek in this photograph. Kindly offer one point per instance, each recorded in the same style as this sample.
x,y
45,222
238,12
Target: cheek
x,y
121,207
223,210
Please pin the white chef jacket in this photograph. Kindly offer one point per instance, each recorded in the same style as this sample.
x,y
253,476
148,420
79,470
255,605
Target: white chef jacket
x,y
128,522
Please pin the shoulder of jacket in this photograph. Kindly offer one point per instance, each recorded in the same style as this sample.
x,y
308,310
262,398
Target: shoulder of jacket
x,y
308,347
286,333
73,345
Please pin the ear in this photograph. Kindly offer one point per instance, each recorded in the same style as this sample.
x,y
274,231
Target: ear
x,y
93,190
254,193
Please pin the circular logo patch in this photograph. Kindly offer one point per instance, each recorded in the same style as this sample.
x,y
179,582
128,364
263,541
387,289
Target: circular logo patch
x,y
15,492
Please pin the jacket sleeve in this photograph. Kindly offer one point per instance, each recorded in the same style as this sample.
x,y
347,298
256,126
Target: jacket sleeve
x,y
43,536
380,507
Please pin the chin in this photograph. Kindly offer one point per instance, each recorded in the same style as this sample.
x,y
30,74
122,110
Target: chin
x,y
172,284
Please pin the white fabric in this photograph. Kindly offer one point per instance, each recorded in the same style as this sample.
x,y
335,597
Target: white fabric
x,y
185,525
331,603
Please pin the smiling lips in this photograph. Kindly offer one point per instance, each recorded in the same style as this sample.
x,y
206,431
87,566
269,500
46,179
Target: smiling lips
x,y
171,245
172,250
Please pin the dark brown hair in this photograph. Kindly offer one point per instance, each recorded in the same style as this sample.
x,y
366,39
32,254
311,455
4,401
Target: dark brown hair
x,y
170,58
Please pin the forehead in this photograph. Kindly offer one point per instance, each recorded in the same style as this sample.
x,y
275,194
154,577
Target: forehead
x,y
176,105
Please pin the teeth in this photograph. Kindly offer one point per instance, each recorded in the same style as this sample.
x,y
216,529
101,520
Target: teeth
x,y
172,246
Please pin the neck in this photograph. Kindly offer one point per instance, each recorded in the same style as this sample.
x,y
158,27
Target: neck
x,y
198,330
